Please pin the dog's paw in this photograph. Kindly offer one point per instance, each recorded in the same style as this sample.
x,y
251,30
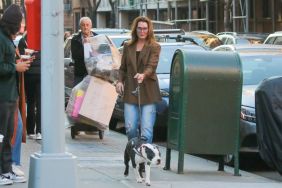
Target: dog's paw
x,y
148,184
139,180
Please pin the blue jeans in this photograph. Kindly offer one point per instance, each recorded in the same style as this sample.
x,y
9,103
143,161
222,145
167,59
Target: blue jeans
x,y
148,117
7,114
16,148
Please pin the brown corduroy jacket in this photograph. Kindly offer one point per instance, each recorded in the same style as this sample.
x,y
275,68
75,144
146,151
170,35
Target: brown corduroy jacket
x,y
147,63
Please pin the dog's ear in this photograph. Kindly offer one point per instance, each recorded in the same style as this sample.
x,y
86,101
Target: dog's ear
x,y
158,149
143,146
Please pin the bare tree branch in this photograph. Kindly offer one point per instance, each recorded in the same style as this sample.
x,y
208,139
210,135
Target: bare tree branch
x,y
93,5
112,14
227,10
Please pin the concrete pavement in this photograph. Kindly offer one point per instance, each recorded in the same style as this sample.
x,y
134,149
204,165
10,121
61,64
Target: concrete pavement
x,y
100,164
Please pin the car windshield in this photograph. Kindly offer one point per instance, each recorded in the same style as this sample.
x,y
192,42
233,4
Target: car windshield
x,y
242,41
118,41
166,56
257,67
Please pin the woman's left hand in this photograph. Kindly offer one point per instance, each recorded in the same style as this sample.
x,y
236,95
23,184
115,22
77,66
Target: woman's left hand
x,y
139,77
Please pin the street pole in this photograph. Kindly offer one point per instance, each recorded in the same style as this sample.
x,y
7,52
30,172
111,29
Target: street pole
x,y
189,15
52,167
158,11
146,7
234,14
247,15
141,8
207,16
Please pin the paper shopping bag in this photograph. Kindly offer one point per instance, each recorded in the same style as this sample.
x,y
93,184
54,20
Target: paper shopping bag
x,y
98,103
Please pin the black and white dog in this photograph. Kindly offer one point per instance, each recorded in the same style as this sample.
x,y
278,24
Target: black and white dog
x,y
140,153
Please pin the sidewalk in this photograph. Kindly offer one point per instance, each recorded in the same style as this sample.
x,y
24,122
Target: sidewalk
x,y
100,164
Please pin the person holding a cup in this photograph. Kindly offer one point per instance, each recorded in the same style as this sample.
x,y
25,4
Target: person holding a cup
x,y
9,26
32,89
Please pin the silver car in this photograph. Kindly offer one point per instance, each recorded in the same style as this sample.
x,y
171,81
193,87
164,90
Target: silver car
x,y
258,62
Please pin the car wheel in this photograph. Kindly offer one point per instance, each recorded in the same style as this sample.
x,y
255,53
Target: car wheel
x,y
113,123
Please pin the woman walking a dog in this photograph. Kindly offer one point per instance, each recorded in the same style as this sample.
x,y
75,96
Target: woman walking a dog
x,y
138,82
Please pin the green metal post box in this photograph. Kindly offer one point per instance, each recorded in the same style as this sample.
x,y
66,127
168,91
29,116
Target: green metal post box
x,y
204,105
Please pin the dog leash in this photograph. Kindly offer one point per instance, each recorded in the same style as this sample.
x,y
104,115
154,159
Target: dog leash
x,y
137,92
139,106
140,155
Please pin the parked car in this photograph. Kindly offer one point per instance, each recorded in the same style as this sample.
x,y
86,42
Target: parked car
x,y
168,35
241,38
274,38
118,36
110,31
202,38
119,39
258,62
68,68
163,73
169,31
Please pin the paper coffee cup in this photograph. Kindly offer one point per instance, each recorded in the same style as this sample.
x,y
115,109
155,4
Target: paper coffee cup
x,y
25,56
28,51
1,138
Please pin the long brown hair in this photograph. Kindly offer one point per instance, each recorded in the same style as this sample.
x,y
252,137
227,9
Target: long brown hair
x,y
134,37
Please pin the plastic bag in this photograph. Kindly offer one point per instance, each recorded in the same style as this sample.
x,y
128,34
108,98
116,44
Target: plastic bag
x,y
76,98
101,57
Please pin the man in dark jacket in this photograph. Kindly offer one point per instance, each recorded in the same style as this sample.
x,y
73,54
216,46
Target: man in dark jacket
x,y
77,49
33,92
9,26
77,52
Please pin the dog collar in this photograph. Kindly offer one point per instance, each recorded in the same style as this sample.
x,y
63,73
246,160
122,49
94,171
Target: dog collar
x,y
139,153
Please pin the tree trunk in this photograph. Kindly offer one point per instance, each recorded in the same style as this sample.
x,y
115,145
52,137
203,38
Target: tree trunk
x,y
92,7
112,14
227,11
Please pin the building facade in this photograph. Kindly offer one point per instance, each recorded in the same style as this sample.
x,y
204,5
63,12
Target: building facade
x,y
211,15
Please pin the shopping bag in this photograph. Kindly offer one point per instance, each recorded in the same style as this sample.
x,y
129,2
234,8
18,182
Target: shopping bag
x,y
76,98
98,103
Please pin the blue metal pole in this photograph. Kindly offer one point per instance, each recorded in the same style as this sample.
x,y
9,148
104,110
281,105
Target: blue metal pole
x,y
52,164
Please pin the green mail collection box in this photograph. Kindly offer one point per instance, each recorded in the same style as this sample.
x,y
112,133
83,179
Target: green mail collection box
x,y
204,105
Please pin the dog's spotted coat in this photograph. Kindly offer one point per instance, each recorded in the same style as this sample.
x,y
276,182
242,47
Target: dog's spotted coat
x,y
141,153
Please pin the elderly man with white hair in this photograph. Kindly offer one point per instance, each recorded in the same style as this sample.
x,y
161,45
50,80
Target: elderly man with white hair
x,y
77,49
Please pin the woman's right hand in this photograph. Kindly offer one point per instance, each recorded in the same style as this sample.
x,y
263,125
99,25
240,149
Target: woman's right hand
x,y
119,88
23,66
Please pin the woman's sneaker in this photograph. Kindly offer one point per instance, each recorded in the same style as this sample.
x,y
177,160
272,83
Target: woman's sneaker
x,y
17,170
38,136
31,136
14,177
5,181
